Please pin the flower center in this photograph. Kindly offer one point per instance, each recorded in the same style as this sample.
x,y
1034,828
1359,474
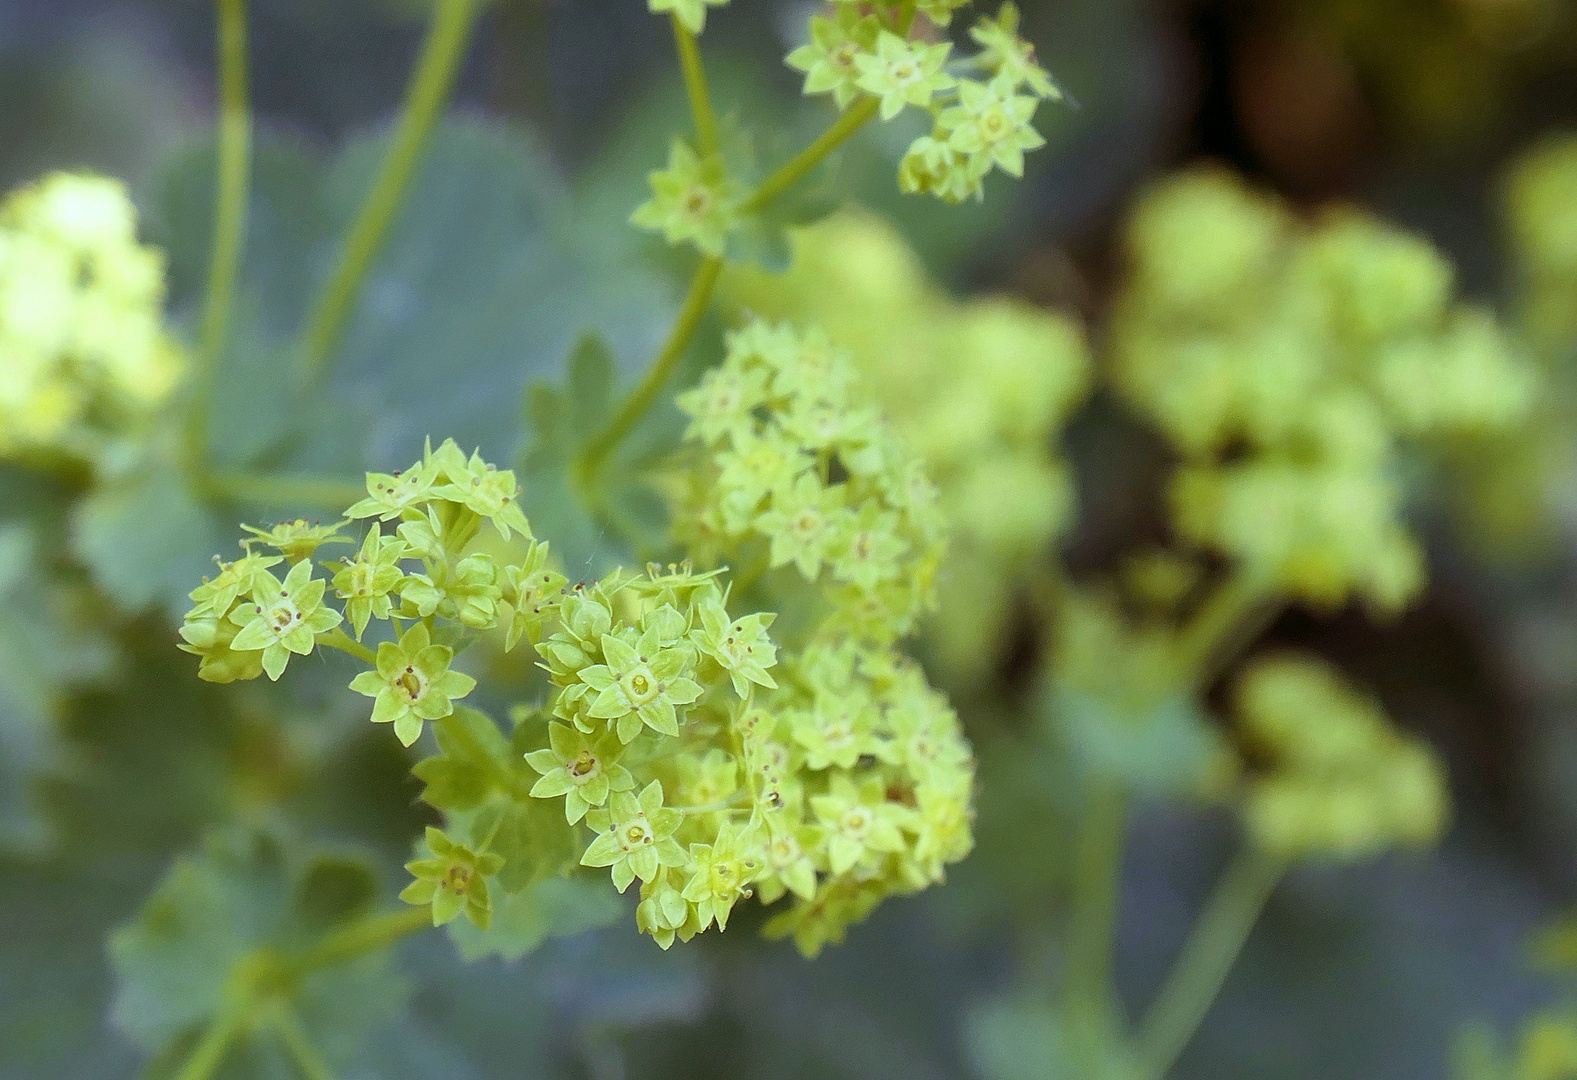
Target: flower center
x,y
584,767
412,683
458,880
856,821
640,686
282,616
636,834
697,201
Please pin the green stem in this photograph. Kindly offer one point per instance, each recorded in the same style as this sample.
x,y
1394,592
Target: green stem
x,y
589,464
1229,617
592,458
209,1053
231,195
1208,954
429,90
287,1025
807,159
695,88
325,493
1090,1000
339,639
361,938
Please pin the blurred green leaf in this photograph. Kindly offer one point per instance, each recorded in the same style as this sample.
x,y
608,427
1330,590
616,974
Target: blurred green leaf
x,y
240,893
524,920
44,646
1159,748
481,781
146,538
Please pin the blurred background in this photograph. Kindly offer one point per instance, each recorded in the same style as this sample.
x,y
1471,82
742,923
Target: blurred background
x,y
1412,108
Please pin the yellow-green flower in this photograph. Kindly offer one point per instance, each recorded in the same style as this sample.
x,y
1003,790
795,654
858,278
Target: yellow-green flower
x,y
389,495
296,540
484,489
1010,56
829,59
366,582
803,523
740,646
904,72
694,200
583,770
453,880
641,682
533,593
720,404
412,683
933,166
861,824
720,874
991,123
235,579
283,618
635,836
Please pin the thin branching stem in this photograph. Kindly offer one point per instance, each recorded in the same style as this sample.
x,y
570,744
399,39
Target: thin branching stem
x,y
232,191
695,88
431,85
1212,948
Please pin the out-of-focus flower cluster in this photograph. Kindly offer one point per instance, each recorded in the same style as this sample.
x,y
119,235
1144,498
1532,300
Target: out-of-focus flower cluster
x,y
84,357
1329,775
979,390
1288,362
891,58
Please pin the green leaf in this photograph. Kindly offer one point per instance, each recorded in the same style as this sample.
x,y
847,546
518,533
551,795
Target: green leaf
x,y
1018,1037
44,648
481,781
562,421
145,537
1162,748
523,920
241,893
483,280
473,762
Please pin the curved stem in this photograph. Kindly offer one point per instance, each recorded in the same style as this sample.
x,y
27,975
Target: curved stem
x,y
339,639
695,88
209,1053
1089,998
1208,955
287,1025
322,492
592,458
807,159
231,195
429,91
1238,609
361,938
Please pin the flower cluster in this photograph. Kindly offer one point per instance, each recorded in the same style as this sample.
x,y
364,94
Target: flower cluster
x,y
978,123
1541,215
982,108
709,765
979,390
798,471
420,578
1336,780
84,356
1289,363
683,757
